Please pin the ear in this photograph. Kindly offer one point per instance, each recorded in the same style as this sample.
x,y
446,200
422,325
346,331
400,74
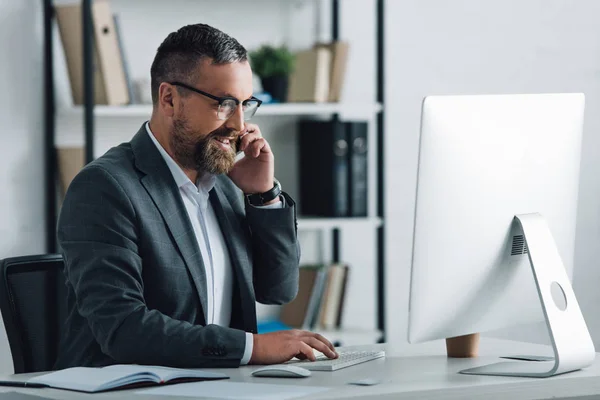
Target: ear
x,y
167,97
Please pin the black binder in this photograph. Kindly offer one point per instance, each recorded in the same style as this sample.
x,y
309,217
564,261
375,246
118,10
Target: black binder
x,y
324,168
358,145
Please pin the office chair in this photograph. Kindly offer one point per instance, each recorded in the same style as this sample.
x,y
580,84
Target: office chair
x,y
33,306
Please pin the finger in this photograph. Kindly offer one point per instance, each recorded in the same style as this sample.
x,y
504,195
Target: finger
x,y
256,147
318,345
247,140
318,337
251,128
248,137
264,146
324,340
307,351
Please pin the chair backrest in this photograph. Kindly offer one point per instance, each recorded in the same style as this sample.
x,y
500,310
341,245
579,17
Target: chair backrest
x,y
33,305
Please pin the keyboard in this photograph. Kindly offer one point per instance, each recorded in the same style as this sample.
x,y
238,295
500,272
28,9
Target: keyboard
x,y
345,359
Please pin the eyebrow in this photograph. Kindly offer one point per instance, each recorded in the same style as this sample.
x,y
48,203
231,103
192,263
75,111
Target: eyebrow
x,y
227,94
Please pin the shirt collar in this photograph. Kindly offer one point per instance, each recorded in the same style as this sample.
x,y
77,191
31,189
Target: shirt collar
x,y
205,182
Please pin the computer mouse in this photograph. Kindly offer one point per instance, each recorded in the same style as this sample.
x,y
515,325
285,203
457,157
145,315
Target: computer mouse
x,y
282,371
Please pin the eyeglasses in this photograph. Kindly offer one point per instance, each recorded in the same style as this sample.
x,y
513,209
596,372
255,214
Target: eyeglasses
x,y
227,105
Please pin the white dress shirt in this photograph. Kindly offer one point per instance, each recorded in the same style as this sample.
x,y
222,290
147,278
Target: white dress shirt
x,y
217,265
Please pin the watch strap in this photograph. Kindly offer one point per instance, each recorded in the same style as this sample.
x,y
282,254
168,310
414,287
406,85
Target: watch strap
x,y
259,199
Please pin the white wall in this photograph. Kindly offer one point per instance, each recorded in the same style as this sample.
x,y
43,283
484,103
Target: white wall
x,y
21,137
470,47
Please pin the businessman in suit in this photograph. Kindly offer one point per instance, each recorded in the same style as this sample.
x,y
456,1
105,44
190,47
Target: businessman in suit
x,y
168,241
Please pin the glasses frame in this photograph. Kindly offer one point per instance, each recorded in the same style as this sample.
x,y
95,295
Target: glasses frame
x,y
221,100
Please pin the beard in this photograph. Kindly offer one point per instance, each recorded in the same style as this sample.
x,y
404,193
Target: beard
x,y
202,153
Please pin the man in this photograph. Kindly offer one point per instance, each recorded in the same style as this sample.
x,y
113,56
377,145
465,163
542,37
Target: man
x,y
168,242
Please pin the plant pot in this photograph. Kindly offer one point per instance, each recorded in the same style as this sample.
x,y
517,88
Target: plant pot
x,y
277,87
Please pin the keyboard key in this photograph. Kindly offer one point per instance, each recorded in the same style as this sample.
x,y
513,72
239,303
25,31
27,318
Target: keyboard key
x,y
345,359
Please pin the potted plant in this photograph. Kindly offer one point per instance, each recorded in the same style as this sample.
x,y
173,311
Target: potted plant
x,y
273,65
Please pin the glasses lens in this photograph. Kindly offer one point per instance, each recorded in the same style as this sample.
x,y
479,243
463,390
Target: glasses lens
x,y
250,107
226,109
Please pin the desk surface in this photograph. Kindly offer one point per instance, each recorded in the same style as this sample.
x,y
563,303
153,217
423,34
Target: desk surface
x,y
413,371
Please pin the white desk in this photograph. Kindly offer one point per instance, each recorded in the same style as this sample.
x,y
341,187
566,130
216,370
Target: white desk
x,y
418,371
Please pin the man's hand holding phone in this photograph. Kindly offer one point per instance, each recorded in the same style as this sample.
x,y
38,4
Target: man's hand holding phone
x,y
255,172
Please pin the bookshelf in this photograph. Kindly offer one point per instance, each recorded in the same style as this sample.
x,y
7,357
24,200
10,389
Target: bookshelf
x,y
104,123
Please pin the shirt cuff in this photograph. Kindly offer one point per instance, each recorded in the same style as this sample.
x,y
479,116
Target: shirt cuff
x,y
248,350
279,204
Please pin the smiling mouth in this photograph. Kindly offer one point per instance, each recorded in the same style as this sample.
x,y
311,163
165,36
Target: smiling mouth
x,y
225,142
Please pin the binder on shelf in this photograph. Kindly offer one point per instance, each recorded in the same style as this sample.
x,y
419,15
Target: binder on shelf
x,y
310,80
342,300
300,312
110,62
337,73
110,86
128,80
358,145
70,161
323,169
333,297
320,298
316,299
68,18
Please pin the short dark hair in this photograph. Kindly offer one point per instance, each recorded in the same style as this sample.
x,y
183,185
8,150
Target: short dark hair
x,y
178,56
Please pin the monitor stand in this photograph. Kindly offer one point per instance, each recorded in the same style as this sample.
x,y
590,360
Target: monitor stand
x,y
571,341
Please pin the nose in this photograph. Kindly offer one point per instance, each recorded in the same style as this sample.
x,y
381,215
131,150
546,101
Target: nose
x,y
236,121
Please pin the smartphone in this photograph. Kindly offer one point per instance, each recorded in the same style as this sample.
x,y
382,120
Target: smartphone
x,y
238,143
238,154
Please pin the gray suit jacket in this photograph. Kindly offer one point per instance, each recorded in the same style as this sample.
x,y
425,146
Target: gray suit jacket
x,y
134,273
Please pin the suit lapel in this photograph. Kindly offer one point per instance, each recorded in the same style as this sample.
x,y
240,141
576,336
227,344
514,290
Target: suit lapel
x,y
161,187
235,238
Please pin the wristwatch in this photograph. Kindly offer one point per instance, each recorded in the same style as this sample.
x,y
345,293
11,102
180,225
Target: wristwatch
x,y
259,199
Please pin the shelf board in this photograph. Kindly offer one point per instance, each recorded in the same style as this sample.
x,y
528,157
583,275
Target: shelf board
x,y
305,223
145,110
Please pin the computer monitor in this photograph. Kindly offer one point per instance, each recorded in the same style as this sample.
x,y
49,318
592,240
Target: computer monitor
x,y
495,215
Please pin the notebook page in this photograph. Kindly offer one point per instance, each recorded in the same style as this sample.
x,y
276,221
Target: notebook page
x,y
80,378
166,373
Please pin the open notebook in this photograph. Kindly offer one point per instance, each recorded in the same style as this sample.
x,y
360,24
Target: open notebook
x,y
120,376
